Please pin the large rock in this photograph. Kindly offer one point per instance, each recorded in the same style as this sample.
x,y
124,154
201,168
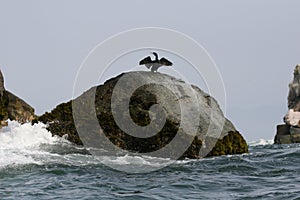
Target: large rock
x,y
97,103
12,107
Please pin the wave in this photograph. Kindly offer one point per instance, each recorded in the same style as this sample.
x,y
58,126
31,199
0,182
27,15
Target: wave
x,y
20,136
20,142
23,144
261,142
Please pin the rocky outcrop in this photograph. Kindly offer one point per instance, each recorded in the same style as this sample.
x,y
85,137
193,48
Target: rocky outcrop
x,y
12,107
294,91
143,116
290,131
2,89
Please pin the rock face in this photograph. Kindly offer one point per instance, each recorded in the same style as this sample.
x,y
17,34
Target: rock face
x,y
294,91
12,107
143,115
290,131
2,89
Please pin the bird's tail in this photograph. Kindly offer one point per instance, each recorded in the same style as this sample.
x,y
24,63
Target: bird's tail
x,y
148,65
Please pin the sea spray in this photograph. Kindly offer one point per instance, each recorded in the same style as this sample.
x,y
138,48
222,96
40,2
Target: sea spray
x,y
20,136
23,144
19,142
261,142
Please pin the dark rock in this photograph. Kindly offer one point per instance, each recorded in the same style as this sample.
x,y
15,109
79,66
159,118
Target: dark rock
x,y
96,103
283,129
283,139
3,108
1,84
60,122
283,134
295,134
18,109
12,107
287,134
295,138
232,143
294,130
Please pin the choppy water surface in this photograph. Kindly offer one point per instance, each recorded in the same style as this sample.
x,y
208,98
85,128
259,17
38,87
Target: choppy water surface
x,y
34,165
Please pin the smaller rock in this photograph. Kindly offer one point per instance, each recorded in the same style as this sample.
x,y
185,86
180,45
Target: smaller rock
x,y
18,109
12,107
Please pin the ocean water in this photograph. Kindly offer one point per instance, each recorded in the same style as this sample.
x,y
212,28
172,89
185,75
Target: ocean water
x,y
35,165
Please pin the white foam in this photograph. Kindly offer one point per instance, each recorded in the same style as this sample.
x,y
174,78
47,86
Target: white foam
x,y
17,136
19,143
27,144
261,142
134,163
133,160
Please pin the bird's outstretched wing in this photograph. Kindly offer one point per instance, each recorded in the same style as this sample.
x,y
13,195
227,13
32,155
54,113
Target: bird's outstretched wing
x,y
145,61
165,62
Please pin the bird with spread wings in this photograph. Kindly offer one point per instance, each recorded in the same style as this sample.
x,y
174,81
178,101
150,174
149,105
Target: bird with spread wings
x,y
155,64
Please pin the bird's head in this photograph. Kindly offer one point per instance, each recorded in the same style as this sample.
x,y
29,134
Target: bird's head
x,y
154,53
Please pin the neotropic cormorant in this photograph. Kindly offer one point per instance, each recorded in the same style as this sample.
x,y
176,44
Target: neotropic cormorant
x,y
155,64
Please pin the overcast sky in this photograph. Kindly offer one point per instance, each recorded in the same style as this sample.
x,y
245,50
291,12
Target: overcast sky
x,y
255,44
